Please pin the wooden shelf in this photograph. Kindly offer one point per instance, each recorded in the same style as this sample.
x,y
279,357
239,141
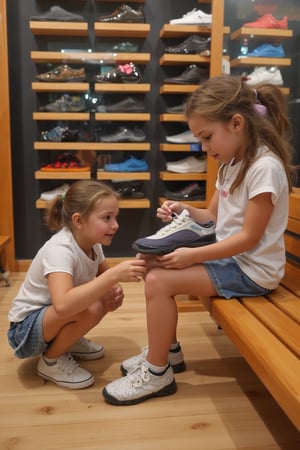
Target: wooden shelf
x,y
59,28
171,176
103,175
175,147
123,203
123,116
255,61
47,175
61,116
174,31
132,30
4,241
171,59
172,117
178,88
39,86
88,57
261,32
122,87
96,146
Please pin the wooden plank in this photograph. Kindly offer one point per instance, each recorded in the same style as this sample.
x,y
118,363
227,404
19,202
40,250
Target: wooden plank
x,y
287,302
275,365
292,244
294,205
281,325
4,241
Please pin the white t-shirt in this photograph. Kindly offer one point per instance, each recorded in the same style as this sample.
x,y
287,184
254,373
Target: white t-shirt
x,y
265,263
60,253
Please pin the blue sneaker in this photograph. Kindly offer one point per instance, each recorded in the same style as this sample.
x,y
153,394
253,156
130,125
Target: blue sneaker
x,y
130,165
183,231
268,50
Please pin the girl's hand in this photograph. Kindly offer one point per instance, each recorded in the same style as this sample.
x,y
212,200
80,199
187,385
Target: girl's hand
x,y
113,299
130,270
180,258
167,209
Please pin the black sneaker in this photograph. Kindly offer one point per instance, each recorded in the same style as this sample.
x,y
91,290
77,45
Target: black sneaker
x,y
193,74
124,73
191,45
193,191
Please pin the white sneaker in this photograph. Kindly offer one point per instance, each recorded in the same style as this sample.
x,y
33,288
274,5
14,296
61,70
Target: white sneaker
x,y
86,350
139,385
66,373
51,195
194,17
262,75
186,137
188,165
175,358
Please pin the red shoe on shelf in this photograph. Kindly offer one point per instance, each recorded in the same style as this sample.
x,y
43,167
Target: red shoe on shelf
x,y
268,21
66,162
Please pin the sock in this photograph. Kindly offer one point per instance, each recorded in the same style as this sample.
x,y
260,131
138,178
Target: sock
x,y
175,347
157,370
50,361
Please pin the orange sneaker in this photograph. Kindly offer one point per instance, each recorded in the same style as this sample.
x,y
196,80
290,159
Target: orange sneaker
x,y
268,21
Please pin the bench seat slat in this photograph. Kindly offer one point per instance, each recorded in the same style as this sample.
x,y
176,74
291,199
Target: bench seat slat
x,y
264,352
292,244
287,302
287,331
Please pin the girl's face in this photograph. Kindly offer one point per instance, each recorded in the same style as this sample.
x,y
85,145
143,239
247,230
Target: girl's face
x,y
221,141
100,226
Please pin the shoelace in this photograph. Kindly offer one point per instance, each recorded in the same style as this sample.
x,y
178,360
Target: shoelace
x,y
139,375
67,364
176,222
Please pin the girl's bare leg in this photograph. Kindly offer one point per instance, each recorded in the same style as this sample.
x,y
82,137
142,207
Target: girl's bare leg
x,y
161,286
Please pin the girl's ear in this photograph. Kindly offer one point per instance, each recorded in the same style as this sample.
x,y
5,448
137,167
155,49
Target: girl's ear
x,y
237,122
76,220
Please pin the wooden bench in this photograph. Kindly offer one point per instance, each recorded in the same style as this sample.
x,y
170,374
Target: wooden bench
x,y
266,330
4,241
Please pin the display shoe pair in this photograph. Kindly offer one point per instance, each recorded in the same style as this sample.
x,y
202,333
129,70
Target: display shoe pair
x,y
129,189
132,164
183,231
194,17
124,14
193,74
268,50
63,73
263,74
268,21
191,45
123,73
191,164
60,134
66,161
124,134
193,191
129,104
58,14
66,103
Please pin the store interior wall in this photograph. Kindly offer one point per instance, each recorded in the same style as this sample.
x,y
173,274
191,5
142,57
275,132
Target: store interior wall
x,y
30,230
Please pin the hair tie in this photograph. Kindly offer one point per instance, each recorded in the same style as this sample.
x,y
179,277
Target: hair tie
x,y
261,109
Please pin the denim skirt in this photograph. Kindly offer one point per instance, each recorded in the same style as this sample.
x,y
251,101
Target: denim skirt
x,y
26,337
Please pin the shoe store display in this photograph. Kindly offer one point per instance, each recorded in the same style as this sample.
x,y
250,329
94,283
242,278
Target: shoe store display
x,y
262,74
66,162
193,74
63,73
125,47
268,21
193,191
60,191
132,164
183,231
60,134
86,350
194,17
66,373
191,45
190,164
66,103
129,104
123,73
186,137
58,14
124,14
139,385
268,51
176,360
124,134
129,189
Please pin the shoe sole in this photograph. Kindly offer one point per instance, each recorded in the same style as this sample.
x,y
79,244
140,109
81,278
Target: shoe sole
x,y
88,356
177,368
167,390
80,385
164,250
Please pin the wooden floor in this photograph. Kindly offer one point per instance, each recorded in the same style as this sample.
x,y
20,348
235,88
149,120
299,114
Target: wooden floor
x,y
220,403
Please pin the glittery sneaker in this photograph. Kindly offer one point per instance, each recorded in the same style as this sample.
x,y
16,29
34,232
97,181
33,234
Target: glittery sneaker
x,y
139,385
175,358
85,350
66,373
183,231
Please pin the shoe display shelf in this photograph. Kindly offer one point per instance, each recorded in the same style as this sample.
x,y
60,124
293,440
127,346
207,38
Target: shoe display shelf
x,y
214,65
100,30
258,34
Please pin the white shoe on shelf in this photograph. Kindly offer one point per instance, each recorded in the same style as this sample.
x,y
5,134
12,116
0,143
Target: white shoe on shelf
x,y
51,195
263,74
194,17
188,165
186,137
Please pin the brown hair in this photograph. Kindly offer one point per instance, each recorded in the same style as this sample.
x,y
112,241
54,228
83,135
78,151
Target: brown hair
x,y
81,197
219,98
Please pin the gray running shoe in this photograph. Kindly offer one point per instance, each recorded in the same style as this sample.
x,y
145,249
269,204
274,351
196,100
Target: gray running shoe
x,y
139,385
66,103
58,14
175,358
